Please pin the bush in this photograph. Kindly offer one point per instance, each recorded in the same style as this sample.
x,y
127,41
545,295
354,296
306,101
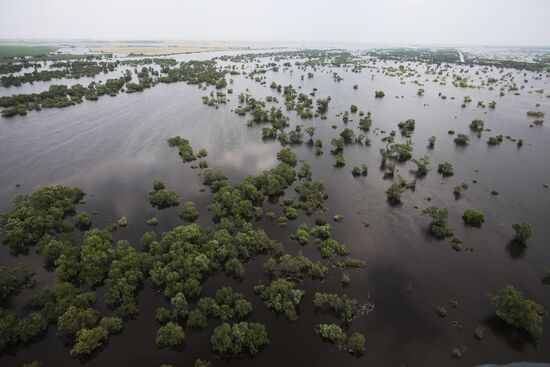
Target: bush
x,y
239,339
112,324
169,335
517,311
473,217
393,193
523,232
356,344
462,139
184,146
287,156
83,221
477,125
439,227
280,296
331,332
343,306
189,212
431,142
74,319
330,247
197,319
88,340
445,169
322,231
33,216
161,197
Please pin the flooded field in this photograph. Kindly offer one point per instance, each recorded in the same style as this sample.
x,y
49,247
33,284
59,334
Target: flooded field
x,y
113,148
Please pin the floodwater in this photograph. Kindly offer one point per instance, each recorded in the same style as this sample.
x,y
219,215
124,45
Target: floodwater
x,y
115,147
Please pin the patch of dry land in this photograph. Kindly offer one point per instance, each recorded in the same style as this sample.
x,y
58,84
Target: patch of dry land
x,y
169,48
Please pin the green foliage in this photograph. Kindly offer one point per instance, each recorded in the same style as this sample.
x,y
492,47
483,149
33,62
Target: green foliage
x,y
535,113
214,178
422,164
185,256
163,315
441,311
184,146
11,281
301,235
88,340
473,217
431,142
280,296
406,127
112,324
322,105
250,243
356,344
234,267
189,212
232,340
153,221
330,247
439,227
331,332
83,221
197,319
477,125
224,306
124,278
42,212
169,335
343,306
445,169
400,152
95,256
523,232
287,156
365,122
30,327
201,363
517,311
378,94
294,267
312,196
74,319
462,139
291,213
310,130
495,140
305,172
348,135
322,232
179,304
161,197
393,193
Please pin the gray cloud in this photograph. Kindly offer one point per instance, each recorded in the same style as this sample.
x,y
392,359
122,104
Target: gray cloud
x,y
488,22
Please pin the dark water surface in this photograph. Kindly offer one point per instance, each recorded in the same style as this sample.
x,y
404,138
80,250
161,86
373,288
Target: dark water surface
x,y
115,147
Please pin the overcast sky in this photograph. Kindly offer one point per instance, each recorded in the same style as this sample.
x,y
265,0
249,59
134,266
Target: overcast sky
x,y
487,22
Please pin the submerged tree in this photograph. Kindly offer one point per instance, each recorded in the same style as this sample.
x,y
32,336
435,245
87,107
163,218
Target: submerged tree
x,y
439,227
517,311
239,339
473,217
523,232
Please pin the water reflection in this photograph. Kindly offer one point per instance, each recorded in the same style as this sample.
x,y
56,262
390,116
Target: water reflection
x,y
115,147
